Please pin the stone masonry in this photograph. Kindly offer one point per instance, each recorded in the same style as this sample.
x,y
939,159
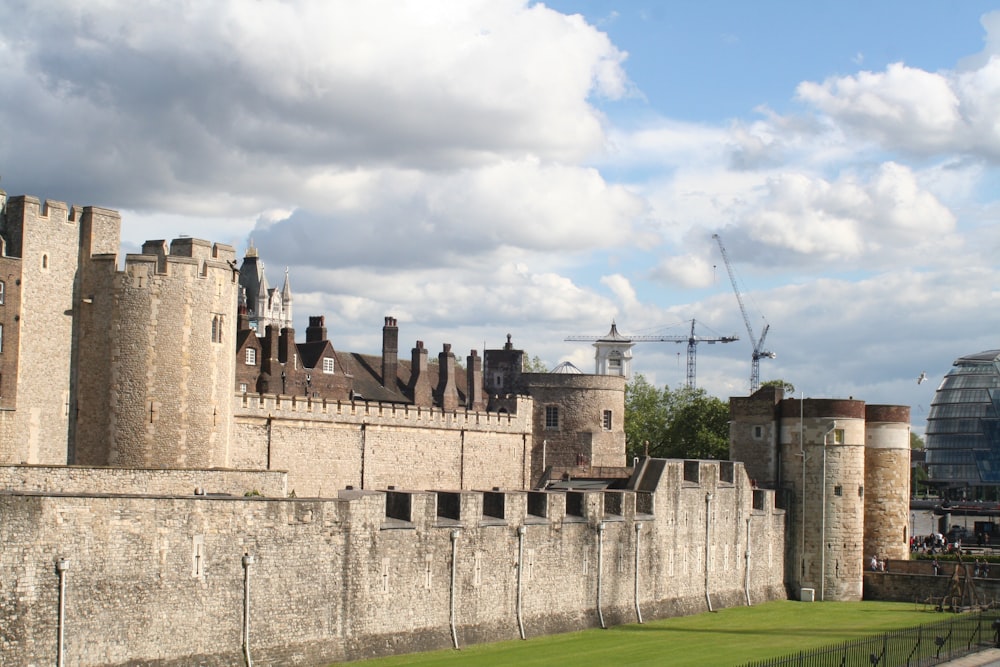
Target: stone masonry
x,y
160,579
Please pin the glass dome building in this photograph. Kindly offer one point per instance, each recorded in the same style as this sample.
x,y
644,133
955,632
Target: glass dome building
x,y
963,425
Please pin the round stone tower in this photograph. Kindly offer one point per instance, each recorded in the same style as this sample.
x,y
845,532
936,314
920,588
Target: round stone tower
x,y
823,463
887,481
168,349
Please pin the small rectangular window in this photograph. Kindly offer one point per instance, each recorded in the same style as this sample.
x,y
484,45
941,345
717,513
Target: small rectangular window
x,y
217,329
606,421
243,387
3,291
838,436
838,490
328,364
551,416
251,356
198,556
758,432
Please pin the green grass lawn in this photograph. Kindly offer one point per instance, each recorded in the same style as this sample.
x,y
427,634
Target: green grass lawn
x,y
727,637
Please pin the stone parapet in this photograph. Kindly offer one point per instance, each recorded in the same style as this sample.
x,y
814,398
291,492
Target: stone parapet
x,y
158,481
371,573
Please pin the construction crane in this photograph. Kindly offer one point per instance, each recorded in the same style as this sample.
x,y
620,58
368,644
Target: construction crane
x,y
758,343
692,340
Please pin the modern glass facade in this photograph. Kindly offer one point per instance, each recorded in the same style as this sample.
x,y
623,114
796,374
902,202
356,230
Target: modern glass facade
x,y
963,425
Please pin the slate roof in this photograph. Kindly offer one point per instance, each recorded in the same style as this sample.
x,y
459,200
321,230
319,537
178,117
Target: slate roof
x,y
366,370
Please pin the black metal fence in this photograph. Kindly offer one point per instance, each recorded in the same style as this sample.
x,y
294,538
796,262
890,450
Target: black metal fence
x,y
929,644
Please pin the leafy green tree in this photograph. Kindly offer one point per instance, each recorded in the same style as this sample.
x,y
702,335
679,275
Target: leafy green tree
x,y
680,423
916,442
699,426
787,386
535,365
645,415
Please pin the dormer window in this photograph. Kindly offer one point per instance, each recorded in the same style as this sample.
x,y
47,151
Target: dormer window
x,y
251,356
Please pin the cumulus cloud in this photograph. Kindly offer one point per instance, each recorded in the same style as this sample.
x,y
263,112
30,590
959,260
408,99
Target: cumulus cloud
x,y
460,218
245,100
908,109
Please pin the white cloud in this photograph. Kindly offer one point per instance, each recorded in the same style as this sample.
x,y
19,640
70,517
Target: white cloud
x,y
251,100
915,111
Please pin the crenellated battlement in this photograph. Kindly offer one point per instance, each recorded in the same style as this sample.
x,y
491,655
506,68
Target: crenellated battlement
x,y
28,207
389,414
184,257
29,224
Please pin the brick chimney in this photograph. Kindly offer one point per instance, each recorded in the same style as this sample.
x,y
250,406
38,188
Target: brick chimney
x,y
270,363
390,353
474,381
420,385
316,331
242,318
286,343
447,390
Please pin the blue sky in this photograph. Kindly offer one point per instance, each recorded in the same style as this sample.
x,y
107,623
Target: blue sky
x,y
713,61
483,167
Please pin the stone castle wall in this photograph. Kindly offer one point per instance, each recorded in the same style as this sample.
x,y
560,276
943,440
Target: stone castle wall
x,y
327,446
161,579
139,481
51,241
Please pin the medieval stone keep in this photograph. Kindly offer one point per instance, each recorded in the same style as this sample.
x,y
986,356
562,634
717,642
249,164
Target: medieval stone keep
x,y
181,482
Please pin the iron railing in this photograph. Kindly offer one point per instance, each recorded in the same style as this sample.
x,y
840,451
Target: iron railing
x,y
928,644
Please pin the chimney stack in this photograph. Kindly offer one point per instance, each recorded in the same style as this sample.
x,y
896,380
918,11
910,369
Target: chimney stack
x,y
474,381
316,331
420,384
286,343
447,389
390,353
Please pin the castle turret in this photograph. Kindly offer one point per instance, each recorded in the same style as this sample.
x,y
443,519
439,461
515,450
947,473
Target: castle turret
x,y
502,369
753,434
823,461
887,481
171,360
47,263
286,300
